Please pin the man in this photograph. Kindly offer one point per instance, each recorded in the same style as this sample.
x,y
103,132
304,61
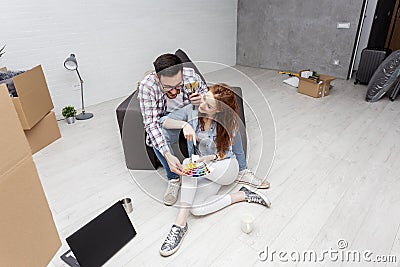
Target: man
x,y
170,87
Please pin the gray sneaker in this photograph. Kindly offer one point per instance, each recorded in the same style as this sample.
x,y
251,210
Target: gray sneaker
x,y
255,197
173,240
171,195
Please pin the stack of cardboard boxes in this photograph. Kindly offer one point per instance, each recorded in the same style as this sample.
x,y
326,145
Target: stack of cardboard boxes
x,y
28,236
33,106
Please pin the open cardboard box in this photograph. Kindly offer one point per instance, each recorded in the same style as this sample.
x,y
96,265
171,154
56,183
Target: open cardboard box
x,y
312,88
28,236
33,101
44,133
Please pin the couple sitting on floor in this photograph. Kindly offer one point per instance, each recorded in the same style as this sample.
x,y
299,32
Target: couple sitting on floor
x,y
174,98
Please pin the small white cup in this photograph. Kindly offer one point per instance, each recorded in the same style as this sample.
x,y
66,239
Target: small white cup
x,y
247,223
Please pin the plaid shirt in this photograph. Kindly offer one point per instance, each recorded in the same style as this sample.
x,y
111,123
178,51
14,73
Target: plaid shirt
x,y
153,104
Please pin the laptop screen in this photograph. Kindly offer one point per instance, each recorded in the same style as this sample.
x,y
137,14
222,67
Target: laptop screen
x,y
101,238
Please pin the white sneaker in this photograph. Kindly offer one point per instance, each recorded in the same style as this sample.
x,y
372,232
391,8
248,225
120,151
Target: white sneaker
x,y
247,177
171,195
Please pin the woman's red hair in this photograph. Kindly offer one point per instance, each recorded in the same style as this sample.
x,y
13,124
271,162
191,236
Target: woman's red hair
x,y
227,117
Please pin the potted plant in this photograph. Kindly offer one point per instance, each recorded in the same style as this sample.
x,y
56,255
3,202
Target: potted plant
x,y
69,113
2,53
2,50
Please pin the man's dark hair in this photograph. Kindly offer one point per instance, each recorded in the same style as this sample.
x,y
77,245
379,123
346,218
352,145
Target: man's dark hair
x,y
168,65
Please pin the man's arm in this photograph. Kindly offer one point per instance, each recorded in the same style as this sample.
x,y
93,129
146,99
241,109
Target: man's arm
x,y
151,115
202,85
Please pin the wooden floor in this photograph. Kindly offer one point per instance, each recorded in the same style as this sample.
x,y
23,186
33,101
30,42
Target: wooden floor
x,y
335,175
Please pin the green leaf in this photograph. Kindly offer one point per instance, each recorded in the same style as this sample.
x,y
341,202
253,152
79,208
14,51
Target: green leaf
x,y
69,111
2,52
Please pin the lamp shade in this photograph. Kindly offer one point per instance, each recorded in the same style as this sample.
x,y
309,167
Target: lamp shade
x,y
70,63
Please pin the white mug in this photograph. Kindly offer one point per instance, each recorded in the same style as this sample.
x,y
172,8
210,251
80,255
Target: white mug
x,y
247,223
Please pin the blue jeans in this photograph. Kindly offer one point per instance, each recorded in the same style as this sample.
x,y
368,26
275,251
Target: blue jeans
x,y
172,137
170,175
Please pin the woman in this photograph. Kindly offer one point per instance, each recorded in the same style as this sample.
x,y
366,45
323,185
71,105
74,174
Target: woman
x,y
210,130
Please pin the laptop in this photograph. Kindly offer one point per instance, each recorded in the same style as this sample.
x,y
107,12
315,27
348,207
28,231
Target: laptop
x,y
100,239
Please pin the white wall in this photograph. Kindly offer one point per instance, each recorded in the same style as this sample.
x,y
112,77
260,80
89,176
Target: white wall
x,y
114,42
366,29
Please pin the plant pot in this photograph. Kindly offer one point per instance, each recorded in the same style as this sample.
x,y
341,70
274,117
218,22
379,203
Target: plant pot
x,y
70,120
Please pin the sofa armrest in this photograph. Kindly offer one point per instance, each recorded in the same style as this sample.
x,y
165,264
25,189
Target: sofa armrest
x,y
242,123
138,156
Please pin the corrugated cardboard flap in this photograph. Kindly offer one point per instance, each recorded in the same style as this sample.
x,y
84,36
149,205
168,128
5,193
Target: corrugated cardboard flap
x,y
33,97
43,133
326,78
13,143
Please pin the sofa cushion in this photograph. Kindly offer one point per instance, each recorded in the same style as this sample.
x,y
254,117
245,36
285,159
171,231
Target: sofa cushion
x,y
188,63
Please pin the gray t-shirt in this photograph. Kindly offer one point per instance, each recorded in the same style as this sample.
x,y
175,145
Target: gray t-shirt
x,y
176,103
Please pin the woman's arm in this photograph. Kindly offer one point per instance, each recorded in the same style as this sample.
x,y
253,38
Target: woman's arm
x,y
188,131
178,115
178,120
173,124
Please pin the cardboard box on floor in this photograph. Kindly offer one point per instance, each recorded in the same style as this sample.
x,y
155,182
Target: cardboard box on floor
x,y
312,88
28,236
33,101
45,132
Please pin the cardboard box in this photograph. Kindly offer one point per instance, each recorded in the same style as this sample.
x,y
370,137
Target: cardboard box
x,y
10,131
28,236
3,69
312,88
43,133
33,101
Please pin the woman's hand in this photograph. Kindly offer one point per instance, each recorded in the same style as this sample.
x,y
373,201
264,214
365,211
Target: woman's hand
x,y
189,133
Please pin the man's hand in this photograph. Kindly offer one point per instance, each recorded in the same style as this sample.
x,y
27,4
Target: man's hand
x,y
189,133
173,163
195,98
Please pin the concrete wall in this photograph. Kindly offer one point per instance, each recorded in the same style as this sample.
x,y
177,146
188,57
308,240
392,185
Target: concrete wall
x,y
115,41
294,35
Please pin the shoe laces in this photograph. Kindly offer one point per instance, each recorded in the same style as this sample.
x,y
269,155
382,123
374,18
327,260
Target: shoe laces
x,y
254,178
173,188
172,236
255,198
